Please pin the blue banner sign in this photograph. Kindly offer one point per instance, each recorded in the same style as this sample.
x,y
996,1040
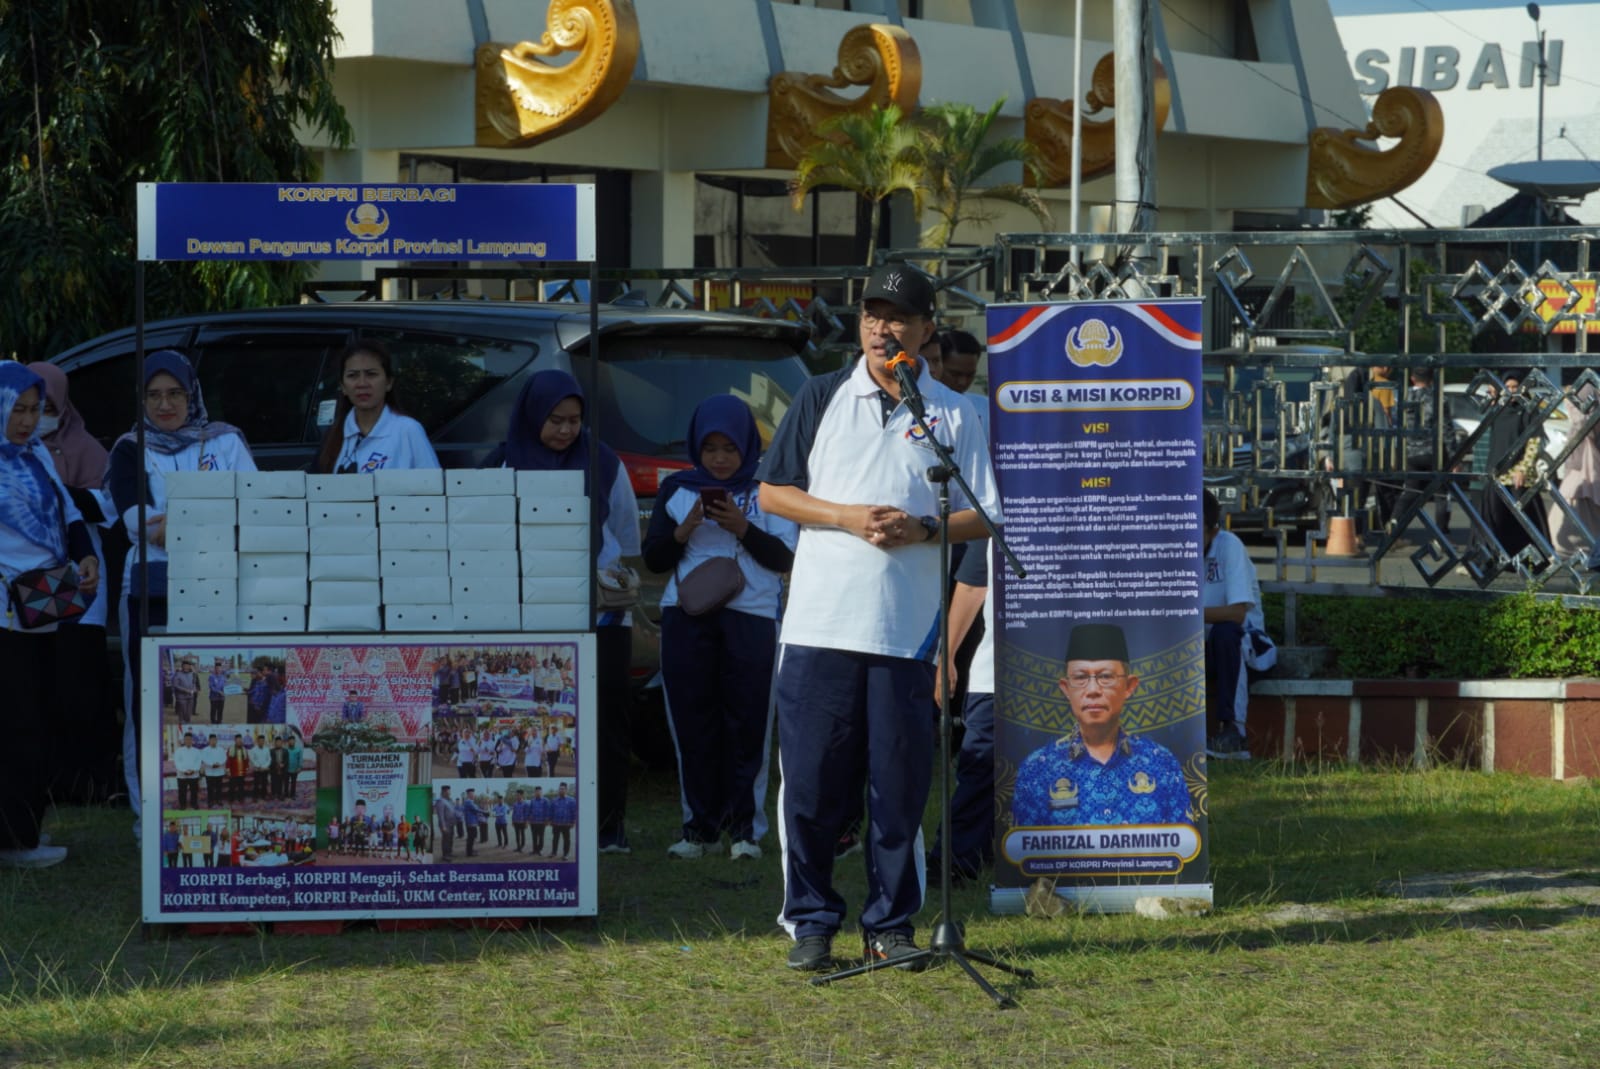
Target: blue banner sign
x,y
269,221
1100,670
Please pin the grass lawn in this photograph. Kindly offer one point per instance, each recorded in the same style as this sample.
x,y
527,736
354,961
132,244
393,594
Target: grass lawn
x,y
1355,926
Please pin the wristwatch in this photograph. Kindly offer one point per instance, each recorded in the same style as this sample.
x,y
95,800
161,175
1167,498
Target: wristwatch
x,y
930,524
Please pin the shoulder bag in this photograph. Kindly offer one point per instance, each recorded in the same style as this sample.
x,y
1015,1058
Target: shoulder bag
x,y
710,584
47,596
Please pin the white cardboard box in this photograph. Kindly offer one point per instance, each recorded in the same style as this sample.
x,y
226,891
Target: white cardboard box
x,y
200,593
410,510
254,539
198,511
273,565
488,617
429,590
272,512
537,591
501,509
480,482
345,592
553,510
258,484
345,618
542,537
271,590
485,563
353,486
265,619
407,481
418,617
190,484
549,484
218,619
191,565
555,563
413,564
342,514
472,591
414,535
553,617
345,566
483,535
341,538
200,538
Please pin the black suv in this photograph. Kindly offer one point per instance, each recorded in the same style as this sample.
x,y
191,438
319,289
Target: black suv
x,y
274,373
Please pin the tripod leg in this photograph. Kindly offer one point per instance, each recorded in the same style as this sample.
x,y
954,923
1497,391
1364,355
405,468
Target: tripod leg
x,y
921,958
1004,1002
985,959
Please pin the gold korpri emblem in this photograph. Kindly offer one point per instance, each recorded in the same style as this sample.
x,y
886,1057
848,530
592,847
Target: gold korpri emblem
x,y
367,221
1094,343
1141,783
1064,794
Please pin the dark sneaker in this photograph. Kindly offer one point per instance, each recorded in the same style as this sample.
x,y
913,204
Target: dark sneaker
x,y
849,843
1228,745
888,946
811,953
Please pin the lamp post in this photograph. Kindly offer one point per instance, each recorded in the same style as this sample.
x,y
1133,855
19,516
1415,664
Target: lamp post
x,y
1533,13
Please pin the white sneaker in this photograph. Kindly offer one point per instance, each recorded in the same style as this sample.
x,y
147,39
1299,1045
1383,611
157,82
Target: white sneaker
x,y
745,849
686,850
38,858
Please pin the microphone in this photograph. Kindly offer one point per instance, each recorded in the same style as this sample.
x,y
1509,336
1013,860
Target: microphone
x,y
904,366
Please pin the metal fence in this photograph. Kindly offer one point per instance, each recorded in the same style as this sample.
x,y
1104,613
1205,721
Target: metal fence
x,y
1311,336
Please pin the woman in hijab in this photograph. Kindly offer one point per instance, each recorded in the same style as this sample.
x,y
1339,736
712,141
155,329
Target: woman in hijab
x,y
40,527
1580,486
548,432
85,729
178,436
716,667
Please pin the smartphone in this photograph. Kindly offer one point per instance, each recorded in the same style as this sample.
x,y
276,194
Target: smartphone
x,y
712,495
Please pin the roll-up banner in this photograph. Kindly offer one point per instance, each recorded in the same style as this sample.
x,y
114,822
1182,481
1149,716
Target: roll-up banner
x,y
1100,670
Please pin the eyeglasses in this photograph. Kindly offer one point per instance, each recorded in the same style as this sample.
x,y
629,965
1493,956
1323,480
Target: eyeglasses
x,y
1103,680
176,397
897,321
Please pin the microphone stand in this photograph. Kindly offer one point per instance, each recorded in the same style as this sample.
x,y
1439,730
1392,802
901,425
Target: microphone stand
x,y
948,941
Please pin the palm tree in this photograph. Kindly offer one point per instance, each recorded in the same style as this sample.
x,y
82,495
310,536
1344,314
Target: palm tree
x,y
871,153
956,151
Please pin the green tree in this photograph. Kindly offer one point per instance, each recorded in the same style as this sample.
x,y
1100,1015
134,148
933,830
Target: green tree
x,y
872,154
957,149
98,97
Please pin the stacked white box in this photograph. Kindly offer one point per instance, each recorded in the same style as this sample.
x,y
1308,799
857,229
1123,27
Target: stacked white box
x,y
554,563
273,582
413,550
201,542
342,518
481,509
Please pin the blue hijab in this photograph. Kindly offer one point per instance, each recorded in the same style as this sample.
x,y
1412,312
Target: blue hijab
x,y
727,415
197,427
525,452
30,504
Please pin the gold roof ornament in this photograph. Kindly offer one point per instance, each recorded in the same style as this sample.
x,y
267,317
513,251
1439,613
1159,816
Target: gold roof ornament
x,y
522,100
1048,125
1341,172
882,58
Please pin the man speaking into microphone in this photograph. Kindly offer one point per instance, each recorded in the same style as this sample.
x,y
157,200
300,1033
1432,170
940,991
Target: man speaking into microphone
x,y
850,464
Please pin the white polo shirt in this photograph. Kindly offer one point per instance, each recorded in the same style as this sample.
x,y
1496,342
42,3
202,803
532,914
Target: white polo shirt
x,y
1230,578
838,444
396,442
226,453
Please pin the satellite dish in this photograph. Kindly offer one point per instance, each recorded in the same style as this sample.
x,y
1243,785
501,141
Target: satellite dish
x,y
1550,178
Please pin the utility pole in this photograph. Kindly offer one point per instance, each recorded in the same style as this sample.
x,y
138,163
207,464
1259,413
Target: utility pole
x,y
1132,37
1533,13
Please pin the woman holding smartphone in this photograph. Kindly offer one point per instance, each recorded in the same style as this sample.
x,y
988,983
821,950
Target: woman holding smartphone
x,y
717,666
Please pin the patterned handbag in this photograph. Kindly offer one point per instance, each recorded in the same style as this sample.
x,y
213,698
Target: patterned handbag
x,y
47,596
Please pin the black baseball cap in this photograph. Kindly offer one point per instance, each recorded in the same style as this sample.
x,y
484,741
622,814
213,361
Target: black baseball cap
x,y
903,286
